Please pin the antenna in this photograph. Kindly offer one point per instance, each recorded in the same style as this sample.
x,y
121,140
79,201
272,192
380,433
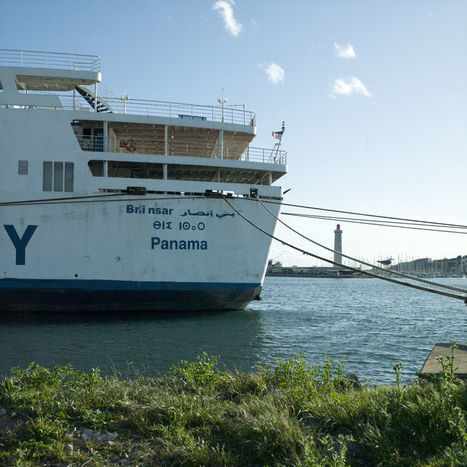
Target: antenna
x,y
125,99
222,100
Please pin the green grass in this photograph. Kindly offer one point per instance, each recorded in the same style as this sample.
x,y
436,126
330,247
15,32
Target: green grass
x,y
285,415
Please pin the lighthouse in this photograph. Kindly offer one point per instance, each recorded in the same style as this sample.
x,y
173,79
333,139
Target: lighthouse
x,y
338,245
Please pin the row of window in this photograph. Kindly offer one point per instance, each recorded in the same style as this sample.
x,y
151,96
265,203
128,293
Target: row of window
x,y
58,176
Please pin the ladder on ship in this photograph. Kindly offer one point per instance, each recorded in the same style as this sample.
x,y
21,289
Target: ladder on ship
x,y
89,97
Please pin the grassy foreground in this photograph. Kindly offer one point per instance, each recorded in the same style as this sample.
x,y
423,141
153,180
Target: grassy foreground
x,y
289,414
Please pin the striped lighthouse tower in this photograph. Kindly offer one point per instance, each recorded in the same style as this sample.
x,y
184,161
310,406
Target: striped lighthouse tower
x,y
338,245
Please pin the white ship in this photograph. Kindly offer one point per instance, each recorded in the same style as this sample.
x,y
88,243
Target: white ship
x,y
114,204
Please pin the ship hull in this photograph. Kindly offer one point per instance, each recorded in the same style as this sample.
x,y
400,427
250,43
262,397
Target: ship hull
x,y
87,226
143,255
119,296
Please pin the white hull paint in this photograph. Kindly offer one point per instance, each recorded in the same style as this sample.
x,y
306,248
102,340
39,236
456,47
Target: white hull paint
x,y
192,245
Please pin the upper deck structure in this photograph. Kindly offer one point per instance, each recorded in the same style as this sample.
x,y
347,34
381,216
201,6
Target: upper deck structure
x,y
135,138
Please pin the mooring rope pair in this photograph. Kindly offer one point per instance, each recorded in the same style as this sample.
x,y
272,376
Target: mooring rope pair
x,y
98,198
403,220
362,271
380,223
381,220
374,266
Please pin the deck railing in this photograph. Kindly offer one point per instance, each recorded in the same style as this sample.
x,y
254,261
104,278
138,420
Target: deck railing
x,y
163,109
123,105
63,61
129,145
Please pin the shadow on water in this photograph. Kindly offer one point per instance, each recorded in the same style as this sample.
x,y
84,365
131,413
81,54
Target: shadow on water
x,y
42,317
129,344
368,323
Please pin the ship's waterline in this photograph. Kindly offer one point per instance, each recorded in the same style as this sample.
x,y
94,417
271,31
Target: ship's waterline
x,y
84,296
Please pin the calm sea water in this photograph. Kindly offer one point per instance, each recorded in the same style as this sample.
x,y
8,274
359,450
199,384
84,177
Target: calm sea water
x,y
368,323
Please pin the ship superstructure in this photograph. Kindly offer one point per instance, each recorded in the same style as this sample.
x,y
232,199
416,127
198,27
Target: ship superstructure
x,y
110,203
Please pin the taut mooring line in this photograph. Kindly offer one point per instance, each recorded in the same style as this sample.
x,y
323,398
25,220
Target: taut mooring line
x,y
367,273
418,221
379,223
390,271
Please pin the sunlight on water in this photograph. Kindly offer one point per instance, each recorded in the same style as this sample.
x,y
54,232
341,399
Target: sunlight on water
x,y
368,323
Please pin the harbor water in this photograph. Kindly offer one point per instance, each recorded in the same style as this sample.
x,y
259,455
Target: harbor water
x,y
367,323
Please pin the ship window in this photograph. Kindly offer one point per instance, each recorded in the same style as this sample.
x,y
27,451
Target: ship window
x,y
58,176
47,176
127,169
69,176
1,87
135,170
191,172
97,168
22,167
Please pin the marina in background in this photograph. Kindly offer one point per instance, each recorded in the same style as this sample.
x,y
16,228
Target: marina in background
x,y
422,267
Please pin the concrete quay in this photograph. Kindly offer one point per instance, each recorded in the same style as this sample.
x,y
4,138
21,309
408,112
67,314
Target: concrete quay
x,y
432,365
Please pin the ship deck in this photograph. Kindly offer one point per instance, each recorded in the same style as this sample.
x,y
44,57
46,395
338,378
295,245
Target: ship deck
x,y
134,138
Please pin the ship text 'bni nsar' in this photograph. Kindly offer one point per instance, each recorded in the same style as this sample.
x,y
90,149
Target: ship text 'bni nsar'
x,y
109,203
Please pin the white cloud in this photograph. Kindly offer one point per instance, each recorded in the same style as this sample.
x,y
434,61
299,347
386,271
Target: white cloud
x,y
225,10
344,51
274,72
348,87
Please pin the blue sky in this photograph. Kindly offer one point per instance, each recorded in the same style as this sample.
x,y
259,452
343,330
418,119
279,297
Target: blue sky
x,y
373,93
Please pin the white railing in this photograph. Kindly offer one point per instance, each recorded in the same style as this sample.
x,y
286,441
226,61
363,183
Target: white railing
x,y
163,109
34,58
130,145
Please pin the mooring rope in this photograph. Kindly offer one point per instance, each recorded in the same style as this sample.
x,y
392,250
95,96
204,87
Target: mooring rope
x,y
98,198
62,199
390,271
418,221
367,273
94,199
380,223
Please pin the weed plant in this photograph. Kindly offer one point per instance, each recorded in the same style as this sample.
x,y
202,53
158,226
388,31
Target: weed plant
x,y
284,415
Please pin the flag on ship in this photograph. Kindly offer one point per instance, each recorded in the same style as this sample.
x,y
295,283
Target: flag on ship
x,y
277,134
